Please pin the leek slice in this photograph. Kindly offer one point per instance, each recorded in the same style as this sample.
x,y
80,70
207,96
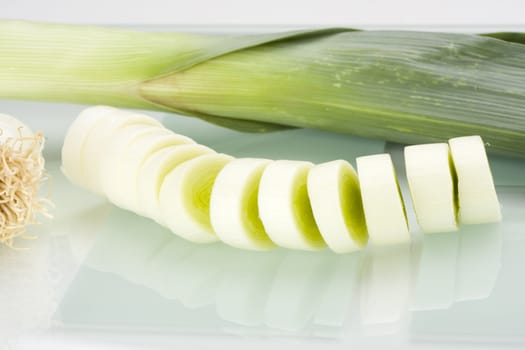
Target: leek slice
x,y
110,174
335,197
75,139
478,201
126,162
234,212
152,173
97,141
431,180
284,206
185,197
382,201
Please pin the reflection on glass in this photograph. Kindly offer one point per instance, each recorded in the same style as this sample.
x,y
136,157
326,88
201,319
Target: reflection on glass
x,y
479,261
23,276
386,288
286,291
244,289
296,290
458,266
436,278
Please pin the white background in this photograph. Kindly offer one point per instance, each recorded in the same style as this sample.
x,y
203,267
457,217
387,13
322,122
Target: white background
x,y
501,13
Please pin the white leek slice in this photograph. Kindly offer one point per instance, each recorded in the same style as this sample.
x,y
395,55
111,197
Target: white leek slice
x,y
97,141
185,197
75,139
284,206
152,173
431,182
335,197
122,168
382,201
115,148
234,212
478,201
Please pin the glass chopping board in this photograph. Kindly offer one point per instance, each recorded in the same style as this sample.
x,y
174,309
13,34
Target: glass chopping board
x,y
100,277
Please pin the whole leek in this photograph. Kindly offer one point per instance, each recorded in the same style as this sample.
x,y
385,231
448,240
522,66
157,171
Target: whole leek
x,y
402,86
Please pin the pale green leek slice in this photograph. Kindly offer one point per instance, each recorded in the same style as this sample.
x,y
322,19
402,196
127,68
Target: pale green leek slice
x,y
432,183
185,197
152,173
234,211
333,188
284,206
382,201
478,201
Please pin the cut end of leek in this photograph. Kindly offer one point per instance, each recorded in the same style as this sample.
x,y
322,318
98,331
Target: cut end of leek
x,y
382,201
478,201
431,180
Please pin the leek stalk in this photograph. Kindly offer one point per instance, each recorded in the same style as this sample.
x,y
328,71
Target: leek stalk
x,y
402,86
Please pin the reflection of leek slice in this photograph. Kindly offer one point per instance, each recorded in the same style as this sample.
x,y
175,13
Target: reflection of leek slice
x,y
159,271
386,288
382,201
195,280
479,261
126,245
284,206
244,288
185,197
431,182
478,202
234,212
436,279
339,292
335,197
296,291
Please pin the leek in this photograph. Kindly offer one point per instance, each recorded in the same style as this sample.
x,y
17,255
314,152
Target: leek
x,y
402,86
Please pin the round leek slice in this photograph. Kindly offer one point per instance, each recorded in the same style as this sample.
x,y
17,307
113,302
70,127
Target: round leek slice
x,y
110,175
284,206
185,197
234,212
478,201
431,182
75,139
152,173
126,161
335,197
382,201
97,141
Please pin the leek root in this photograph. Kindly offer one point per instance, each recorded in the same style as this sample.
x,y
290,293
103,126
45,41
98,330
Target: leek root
x,y
21,175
